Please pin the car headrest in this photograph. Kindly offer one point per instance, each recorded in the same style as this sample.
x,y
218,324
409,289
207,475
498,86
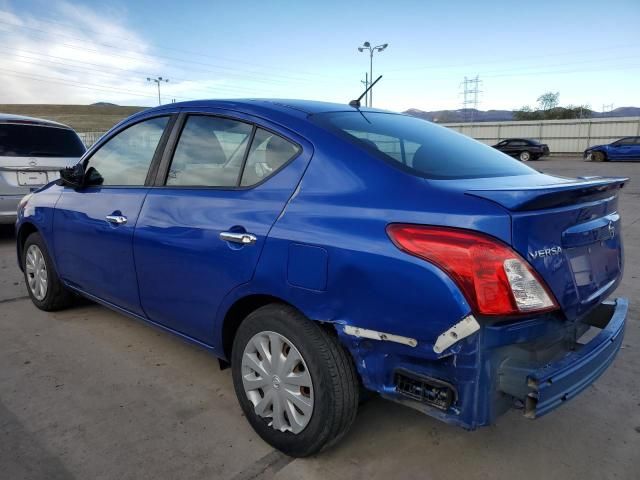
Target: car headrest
x,y
278,151
422,159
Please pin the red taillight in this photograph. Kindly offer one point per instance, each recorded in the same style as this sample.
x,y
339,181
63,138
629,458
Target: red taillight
x,y
494,279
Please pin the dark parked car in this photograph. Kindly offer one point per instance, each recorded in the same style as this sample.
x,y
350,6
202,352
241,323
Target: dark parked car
x,y
627,148
523,149
319,249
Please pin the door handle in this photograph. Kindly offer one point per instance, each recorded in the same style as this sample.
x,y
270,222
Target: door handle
x,y
116,219
242,238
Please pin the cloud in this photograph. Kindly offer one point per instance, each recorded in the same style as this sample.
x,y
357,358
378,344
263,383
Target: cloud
x,y
87,58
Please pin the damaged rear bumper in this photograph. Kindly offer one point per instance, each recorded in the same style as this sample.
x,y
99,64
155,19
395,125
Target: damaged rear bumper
x,y
544,388
536,364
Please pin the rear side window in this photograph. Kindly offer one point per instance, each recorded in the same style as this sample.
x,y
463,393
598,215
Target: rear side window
x,y
210,152
125,158
425,149
39,141
269,152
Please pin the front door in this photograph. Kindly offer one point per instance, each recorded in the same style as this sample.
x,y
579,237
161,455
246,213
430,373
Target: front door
x,y
93,226
201,230
623,149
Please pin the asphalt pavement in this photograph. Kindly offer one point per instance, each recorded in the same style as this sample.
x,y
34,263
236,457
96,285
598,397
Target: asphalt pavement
x,y
90,394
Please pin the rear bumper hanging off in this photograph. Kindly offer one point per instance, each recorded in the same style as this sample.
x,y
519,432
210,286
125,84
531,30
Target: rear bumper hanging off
x,y
544,388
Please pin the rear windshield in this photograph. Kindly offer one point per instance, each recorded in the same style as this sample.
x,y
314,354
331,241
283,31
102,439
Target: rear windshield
x,y
421,147
38,141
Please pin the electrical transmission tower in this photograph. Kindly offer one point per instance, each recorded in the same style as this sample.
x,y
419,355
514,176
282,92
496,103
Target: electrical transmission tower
x,y
607,107
470,91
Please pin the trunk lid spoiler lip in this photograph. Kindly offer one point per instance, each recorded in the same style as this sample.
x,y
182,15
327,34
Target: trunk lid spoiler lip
x,y
538,197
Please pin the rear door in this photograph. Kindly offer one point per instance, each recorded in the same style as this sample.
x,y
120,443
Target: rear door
x,y
513,147
93,226
223,183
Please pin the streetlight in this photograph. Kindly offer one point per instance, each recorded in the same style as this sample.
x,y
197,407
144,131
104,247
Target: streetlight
x,y
158,81
379,48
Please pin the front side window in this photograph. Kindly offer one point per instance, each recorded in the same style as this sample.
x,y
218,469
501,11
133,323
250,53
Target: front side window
x,y
126,157
209,153
269,152
429,150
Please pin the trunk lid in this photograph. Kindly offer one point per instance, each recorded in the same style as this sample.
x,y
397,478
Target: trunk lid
x,y
569,231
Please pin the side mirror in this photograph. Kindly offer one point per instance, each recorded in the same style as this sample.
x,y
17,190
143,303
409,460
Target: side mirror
x,y
72,176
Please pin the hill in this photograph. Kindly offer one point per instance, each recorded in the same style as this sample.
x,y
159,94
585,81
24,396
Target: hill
x,y
454,116
82,118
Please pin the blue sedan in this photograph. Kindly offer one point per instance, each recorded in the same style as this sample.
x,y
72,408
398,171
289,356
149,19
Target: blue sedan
x,y
627,148
323,250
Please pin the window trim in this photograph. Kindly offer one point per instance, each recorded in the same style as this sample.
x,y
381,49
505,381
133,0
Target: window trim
x,y
153,166
174,138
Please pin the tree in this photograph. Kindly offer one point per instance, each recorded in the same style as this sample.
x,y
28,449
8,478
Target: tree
x,y
548,100
526,113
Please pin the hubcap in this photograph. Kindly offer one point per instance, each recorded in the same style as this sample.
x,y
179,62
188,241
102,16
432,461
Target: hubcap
x,y
277,382
524,156
36,269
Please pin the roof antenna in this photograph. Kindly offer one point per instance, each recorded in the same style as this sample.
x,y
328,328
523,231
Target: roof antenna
x,y
356,103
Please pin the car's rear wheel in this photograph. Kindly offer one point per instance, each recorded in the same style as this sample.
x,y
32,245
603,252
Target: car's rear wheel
x,y
598,157
45,288
295,382
524,156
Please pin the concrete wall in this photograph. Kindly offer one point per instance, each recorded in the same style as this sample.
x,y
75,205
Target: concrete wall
x,y
562,136
89,138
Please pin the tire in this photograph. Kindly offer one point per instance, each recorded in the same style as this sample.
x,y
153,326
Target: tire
x,y
598,157
323,363
524,156
51,294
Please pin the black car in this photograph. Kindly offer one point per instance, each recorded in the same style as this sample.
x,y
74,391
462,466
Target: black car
x,y
523,149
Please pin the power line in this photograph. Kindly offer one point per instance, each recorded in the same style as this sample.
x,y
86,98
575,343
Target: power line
x,y
164,47
510,60
153,59
88,86
82,68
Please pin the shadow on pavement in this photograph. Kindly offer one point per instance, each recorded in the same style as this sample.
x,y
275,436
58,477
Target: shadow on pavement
x,y
7,233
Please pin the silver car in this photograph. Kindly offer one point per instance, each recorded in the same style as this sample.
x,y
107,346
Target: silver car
x,y
32,151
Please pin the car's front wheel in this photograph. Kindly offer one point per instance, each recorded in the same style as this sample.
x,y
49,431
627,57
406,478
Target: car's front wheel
x,y
45,288
295,382
524,156
598,157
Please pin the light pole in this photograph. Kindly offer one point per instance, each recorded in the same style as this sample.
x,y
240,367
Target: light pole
x,y
367,46
366,85
158,81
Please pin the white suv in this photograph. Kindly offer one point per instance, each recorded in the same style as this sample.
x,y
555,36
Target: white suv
x,y
32,151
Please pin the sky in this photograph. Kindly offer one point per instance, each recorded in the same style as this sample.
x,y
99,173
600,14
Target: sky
x,y
81,52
